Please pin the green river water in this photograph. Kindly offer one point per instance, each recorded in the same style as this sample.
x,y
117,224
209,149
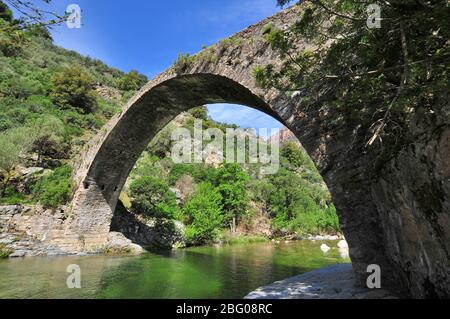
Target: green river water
x,y
200,272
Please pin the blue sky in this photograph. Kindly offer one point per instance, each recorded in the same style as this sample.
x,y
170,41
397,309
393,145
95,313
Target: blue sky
x,y
148,35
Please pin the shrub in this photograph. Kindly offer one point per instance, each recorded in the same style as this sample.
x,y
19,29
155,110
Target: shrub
x,y
131,81
152,196
73,88
55,189
200,113
14,145
49,131
231,181
204,210
295,206
12,42
108,108
11,197
5,13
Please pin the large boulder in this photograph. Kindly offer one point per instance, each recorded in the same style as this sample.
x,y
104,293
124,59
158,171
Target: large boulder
x,y
118,243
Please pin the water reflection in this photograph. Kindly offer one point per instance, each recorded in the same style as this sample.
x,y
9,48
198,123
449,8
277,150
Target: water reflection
x,y
202,272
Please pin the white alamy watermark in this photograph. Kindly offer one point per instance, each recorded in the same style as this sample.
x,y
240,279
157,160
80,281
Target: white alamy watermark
x,y
74,279
233,146
73,12
374,18
374,280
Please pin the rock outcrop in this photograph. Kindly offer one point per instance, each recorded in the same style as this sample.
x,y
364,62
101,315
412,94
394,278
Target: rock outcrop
x,y
152,233
29,231
284,136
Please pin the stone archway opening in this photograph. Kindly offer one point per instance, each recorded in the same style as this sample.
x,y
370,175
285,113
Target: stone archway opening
x,y
105,169
158,177
148,115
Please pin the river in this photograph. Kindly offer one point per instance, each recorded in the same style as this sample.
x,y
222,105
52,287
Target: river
x,y
199,272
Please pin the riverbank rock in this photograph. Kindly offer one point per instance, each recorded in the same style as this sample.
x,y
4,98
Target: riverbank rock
x,y
32,230
333,282
119,244
325,248
148,232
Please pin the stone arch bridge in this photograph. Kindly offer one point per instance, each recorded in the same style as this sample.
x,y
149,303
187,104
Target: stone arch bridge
x,y
399,220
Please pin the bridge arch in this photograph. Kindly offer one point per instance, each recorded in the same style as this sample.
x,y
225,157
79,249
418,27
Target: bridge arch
x,y
390,219
148,115
106,166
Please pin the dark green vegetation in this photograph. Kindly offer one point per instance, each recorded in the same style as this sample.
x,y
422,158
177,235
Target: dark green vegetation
x,y
51,102
380,77
230,271
217,202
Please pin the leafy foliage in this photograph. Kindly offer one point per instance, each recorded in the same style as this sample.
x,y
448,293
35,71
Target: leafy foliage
x,y
48,103
380,77
15,143
5,13
152,196
205,213
298,206
132,81
4,251
72,88
55,189
231,181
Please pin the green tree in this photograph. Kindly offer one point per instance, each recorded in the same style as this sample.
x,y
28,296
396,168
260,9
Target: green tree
x,y
132,81
153,197
231,181
285,195
293,155
380,77
200,113
72,88
12,42
299,206
204,210
5,13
